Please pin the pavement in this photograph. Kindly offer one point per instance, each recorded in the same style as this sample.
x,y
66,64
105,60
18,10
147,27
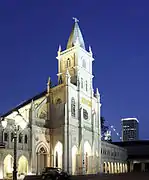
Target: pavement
x,y
126,176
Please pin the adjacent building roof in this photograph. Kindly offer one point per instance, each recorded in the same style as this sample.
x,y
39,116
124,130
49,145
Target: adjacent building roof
x,y
130,119
131,143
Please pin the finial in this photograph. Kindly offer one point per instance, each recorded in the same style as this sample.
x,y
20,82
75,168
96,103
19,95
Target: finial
x,y
49,85
97,92
49,80
32,104
90,50
75,19
59,50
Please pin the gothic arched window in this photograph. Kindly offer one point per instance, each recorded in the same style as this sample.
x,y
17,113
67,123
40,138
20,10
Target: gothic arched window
x,y
84,63
20,138
73,107
68,63
25,139
5,136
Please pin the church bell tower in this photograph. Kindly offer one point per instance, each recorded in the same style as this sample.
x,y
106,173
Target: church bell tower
x,y
76,59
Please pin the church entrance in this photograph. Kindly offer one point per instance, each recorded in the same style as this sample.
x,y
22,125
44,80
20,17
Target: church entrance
x,y
41,159
87,157
58,155
137,167
22,166
74,156
8,166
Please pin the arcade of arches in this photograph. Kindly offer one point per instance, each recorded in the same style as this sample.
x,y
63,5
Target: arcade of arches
x,y
8,166
42,161
114,167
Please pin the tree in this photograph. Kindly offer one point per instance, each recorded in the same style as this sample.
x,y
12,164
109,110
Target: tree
x,y
104,128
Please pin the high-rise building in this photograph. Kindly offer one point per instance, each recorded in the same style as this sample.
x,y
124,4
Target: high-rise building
x,y
130,129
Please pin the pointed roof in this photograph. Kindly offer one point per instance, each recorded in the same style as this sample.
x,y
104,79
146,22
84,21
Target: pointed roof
x,y
75,36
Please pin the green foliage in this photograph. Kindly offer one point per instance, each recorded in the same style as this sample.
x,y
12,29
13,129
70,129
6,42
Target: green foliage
x,y
104,128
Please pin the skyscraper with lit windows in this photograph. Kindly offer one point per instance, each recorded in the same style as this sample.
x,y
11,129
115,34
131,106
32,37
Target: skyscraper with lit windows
x,y
130,129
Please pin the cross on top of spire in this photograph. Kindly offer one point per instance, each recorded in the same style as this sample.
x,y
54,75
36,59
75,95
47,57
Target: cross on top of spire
x,y
75,37
75,19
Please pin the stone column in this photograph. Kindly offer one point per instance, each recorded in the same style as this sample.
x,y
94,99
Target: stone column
x,y
131,166
66,150
142,167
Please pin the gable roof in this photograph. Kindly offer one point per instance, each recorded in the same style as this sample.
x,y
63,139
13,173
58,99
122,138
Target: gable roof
x,y
25,103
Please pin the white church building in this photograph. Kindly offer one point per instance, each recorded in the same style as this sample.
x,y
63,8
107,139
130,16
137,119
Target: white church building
x,y
63,122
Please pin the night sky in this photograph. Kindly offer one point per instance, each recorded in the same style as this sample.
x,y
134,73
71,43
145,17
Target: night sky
x,y
117,30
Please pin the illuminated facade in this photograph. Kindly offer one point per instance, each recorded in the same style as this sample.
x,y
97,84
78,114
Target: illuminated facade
x,y
63,121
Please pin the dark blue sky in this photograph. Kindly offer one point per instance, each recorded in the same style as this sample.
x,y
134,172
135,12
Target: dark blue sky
x,y
118,31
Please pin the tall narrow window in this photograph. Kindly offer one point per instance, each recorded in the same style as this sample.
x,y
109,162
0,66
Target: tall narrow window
x,y
25,139
86,85
73,107
68,64
12,136
20,138
5,136
81,82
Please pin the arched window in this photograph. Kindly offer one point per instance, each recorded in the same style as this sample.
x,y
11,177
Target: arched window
x,y
84,63
25,139
68,63
73,107
20,138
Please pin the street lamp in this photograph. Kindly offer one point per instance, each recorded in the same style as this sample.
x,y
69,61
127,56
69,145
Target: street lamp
x,y
19,123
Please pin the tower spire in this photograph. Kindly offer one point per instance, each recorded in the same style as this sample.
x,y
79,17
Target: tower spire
x,y
75,36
